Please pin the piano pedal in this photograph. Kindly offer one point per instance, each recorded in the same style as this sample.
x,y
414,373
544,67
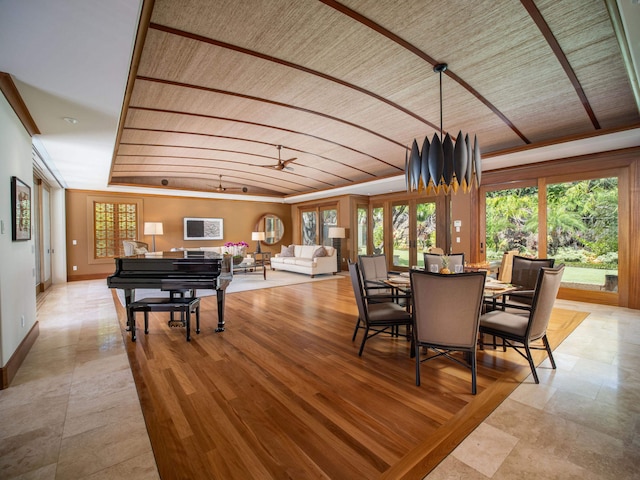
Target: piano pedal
x,y
176,323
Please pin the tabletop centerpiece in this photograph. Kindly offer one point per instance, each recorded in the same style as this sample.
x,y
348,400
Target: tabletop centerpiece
x,y
237,250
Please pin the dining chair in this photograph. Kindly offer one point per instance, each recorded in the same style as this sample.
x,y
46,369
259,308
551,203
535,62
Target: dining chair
x,y
506,267
445,324
377,318
436,259
519,331
524,274
373,269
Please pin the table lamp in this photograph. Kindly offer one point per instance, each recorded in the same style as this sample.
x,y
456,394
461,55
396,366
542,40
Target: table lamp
x,y
337,234
259,236
153,229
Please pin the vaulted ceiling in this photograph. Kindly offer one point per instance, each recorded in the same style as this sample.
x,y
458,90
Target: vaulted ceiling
x,y
345,87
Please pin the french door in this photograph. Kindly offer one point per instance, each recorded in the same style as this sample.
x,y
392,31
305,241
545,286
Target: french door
x,y
413,231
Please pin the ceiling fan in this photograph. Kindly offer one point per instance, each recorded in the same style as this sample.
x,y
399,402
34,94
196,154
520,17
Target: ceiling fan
x,y
282,164
220,188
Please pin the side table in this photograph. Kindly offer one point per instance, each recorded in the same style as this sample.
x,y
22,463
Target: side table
x,y
262,258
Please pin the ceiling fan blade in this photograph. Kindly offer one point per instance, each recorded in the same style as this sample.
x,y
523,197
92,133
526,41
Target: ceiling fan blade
x,y
286,162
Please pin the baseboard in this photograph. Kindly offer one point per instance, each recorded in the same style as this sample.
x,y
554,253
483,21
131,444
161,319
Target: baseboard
x,y
94,276
9,371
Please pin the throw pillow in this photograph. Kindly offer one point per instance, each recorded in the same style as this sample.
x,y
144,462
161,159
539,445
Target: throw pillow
x,y
287,251
320,252
139,250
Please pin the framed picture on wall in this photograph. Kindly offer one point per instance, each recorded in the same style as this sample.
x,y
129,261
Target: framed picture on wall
x,y
203,228
20,210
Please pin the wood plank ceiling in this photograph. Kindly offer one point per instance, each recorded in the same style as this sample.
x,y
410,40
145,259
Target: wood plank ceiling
x,y
345,87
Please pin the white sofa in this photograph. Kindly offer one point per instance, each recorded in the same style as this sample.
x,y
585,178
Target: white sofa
x,y
303,261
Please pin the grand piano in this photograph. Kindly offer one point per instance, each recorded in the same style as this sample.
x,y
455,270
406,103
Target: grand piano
x,y
173,272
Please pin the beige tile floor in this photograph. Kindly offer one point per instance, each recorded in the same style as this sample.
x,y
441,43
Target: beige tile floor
x,y
581,422
72,411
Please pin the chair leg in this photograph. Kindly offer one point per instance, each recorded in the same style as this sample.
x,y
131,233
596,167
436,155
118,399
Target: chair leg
x,y
545,340
473,373
198,319
187,313
364,339
531,364
355,332
417,355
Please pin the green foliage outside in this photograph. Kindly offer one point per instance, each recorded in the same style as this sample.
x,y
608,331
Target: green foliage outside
x,y
582,225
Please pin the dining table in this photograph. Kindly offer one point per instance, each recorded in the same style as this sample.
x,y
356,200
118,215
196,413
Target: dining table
x,y
493,289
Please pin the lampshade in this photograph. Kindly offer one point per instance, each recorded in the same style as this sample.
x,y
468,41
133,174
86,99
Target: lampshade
x,y
153,228
336,232
258,236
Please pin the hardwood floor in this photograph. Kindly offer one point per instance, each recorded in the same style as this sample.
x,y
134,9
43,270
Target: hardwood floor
x,y
282,392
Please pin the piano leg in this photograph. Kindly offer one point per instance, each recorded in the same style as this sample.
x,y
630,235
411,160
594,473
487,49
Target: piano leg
x,y
220,297
129,294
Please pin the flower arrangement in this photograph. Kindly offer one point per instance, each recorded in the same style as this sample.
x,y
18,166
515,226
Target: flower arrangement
x,y
237,249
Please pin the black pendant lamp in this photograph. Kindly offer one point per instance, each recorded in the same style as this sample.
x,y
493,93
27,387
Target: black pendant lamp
x,y
441,166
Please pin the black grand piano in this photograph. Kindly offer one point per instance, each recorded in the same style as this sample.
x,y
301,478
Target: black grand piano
x,y
173,272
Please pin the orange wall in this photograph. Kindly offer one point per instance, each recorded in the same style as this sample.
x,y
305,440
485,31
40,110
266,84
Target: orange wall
x,y
240,218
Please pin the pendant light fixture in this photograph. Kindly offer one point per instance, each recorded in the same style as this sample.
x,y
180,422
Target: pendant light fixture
x,y
440,166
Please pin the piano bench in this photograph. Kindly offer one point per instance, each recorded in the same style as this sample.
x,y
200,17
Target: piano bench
x,y
185,305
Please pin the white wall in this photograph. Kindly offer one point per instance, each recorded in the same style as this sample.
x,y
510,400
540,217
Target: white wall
x,y
17,259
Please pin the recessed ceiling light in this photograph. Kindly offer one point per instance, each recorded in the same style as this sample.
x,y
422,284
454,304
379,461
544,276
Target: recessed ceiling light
x,y
71,120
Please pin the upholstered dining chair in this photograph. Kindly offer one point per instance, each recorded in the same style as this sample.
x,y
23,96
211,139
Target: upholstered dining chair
x,y
444,324
436,259
377,318
506,267
520,331
373,269
524,274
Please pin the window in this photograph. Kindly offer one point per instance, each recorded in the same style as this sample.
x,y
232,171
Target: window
x,y
363,212
329,219
113,223
377,225
315,223
582,232
512,222
309,221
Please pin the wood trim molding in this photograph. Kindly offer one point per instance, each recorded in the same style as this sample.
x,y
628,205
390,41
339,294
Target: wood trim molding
x,y
14,98
8,371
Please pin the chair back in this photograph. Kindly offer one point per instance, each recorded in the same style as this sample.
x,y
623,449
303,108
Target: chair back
x,y
525,270
446,308
436,259
358,292
131,247
373,269
506,267
546,291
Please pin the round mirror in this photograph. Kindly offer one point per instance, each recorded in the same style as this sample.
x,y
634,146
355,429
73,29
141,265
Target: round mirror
x,y
272,227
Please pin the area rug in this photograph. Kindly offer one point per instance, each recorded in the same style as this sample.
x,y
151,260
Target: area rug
x,y
243,282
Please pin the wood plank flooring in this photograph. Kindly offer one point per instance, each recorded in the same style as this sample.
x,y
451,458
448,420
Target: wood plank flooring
x,y
282,392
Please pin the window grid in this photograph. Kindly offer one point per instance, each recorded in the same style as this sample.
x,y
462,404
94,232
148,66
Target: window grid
x,y
113,223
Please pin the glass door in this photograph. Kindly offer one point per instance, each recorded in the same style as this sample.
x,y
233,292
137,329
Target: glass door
x,y
413,226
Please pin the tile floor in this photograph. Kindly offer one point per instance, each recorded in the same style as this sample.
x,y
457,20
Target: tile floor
x,y
581,422
64,415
